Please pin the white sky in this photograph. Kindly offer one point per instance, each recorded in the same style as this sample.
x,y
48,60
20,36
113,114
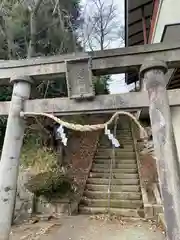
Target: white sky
x,y
118,84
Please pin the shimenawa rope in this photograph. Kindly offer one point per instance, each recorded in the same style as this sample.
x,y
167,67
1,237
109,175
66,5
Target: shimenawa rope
x,y
88,128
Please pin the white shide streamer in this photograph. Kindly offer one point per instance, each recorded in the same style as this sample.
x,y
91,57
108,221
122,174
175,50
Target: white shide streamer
x,y
60,131
111,137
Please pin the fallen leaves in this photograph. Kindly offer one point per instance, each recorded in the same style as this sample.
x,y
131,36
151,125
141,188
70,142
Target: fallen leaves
x,y
108,217
39,233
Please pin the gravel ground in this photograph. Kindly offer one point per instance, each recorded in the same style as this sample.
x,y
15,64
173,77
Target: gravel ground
x,y
88,228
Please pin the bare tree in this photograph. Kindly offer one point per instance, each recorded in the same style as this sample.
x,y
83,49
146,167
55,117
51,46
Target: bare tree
x,y
101,25
101,28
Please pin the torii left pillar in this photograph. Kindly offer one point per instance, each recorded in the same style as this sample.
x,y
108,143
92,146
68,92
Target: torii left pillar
x,y
9,165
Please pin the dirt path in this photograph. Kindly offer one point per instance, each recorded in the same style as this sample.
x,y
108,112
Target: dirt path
x,y
87,228
84,228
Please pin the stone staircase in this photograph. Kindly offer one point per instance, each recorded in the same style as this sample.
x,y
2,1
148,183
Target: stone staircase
x,y
125,195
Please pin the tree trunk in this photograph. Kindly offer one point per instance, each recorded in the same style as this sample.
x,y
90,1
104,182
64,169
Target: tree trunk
x,y
33,21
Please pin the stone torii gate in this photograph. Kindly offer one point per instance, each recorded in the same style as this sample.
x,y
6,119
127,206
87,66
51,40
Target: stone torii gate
x,y
152,61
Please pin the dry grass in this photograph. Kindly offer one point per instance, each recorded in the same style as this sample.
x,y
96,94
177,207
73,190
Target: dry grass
x,y
37,157
47,177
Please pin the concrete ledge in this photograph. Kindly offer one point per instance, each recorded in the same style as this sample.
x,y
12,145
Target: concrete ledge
x,y
59,206
156,194
148,208
158,209
148,211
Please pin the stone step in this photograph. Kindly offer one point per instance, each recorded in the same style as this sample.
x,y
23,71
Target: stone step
x,y
123,148
124,144
102,181
127,155
113,195
125,126
126,148
119,160
119,135
116,150
114,170
116,165
124,131
121,140
113,203
120,149
115,188
114,175
134,213
123,122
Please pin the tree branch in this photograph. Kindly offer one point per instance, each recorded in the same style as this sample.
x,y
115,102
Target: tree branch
x,y
110,15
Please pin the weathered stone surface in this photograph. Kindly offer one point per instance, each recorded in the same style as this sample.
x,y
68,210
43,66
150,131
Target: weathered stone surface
x,y
148,166
103,62
24,198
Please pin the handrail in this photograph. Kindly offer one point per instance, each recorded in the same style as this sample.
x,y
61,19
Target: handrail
x,y
111,165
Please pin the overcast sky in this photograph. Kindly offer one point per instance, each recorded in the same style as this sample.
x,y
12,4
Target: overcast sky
x,y
118,84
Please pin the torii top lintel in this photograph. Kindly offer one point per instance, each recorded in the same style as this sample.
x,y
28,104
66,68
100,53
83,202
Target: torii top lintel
x,y
111,61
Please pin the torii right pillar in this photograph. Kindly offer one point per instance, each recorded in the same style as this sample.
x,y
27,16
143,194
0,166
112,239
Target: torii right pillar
x,y
153,73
